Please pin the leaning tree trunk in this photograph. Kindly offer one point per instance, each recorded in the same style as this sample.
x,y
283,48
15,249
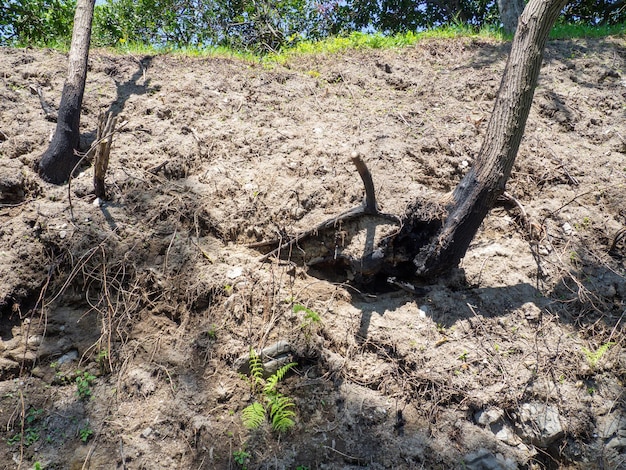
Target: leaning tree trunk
x,y
510,11
59,160
478,190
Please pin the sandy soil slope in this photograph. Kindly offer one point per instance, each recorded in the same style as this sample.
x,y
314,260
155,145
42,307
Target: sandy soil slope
x,y
122,324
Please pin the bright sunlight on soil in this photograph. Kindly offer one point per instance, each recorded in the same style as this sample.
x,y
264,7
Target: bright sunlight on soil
x,y
126,324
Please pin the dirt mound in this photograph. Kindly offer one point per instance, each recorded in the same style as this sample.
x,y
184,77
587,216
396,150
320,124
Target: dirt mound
x,y
125,325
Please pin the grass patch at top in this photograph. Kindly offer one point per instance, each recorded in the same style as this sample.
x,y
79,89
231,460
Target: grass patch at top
x,y
359,40
572,31
354,40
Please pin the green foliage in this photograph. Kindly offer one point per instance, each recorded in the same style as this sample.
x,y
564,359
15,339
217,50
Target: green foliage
x,y
241,457
261,26
270,404
281,413
85,433
32,432
256,369
253,415
593,357
264,27
309,315
36,22
83,385
578,30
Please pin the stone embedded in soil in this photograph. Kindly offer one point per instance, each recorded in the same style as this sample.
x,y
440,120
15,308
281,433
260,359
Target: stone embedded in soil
x,y
610,424
539,424
489,417
273,358
493,418
484,460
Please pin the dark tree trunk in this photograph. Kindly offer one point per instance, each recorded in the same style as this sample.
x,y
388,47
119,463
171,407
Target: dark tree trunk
x,y
57,162
510,11
476,193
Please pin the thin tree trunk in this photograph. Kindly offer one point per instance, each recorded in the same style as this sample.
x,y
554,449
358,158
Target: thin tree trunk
x,y
57,162
510,11
478,190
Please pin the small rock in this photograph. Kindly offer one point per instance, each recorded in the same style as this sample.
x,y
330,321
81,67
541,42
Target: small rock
x,y
610,424
484,460
97,202
567,228
539,424
488,417
146,432
543,250
35,340
234,273
507,436
68,357
273,358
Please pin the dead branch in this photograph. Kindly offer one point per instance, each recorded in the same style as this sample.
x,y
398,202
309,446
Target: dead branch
x,y
106,129
621,234
49,113
368,207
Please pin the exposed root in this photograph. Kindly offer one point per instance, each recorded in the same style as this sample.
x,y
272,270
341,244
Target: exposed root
x,y
368,207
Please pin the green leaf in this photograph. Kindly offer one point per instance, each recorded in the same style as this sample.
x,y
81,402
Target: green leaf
x,y
256,367
281,413
272,381
253,415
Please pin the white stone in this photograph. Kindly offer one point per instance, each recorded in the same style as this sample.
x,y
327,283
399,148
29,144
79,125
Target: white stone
x,y
235,272
567,228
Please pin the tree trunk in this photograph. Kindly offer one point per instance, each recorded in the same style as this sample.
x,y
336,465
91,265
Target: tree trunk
x,y
510,11
60,158
476,193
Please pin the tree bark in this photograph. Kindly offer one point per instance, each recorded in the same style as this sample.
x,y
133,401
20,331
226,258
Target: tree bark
x,y
59,159
510,11
476,193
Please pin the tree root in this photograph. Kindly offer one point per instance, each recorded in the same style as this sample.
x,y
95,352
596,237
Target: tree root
x,y
369,207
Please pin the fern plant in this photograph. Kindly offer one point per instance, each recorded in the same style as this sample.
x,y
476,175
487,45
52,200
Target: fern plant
x,y
594,356
270,404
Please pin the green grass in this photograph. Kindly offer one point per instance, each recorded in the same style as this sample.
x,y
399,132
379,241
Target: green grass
x,y
358,41
570,31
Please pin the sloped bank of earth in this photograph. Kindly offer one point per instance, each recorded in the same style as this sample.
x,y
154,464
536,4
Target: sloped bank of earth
x,y
123,324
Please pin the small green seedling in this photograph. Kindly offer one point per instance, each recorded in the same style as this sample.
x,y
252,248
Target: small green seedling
x,y
310,316
85,433
102,359
31,431
594,356
311,319
241,457
83,385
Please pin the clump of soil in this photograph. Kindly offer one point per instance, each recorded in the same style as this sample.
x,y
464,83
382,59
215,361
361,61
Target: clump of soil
x,y
124,322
